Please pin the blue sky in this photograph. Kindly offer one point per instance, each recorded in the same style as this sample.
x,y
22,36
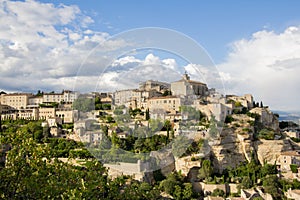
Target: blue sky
x,y
213,24
44,45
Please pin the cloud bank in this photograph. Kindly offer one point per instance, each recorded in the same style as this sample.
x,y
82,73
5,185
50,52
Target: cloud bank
x,y
42,46
266,65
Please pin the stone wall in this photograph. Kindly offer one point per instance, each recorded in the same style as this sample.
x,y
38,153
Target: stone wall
x,y
185,164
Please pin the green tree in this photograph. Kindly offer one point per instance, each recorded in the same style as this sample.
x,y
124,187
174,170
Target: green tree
x,y
266,134
271,185
268,169
168,185
187,191
294,168
246,182
168,127
104,129
147,114
206,170
177,192
213,130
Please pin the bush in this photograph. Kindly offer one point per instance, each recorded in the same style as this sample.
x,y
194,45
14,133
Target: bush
x,y
228,119
295,139
266,134
218,193
246,182
294,168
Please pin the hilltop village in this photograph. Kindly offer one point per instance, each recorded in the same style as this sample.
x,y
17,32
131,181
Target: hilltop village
x,y
224,146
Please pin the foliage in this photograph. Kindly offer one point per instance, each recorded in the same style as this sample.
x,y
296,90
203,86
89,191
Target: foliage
x,y
167,126
213,130
68,126
109,119
167,93
32,173
147,114
147,144
187,191
250,173
294,168
218,193
238,104
288,184
50,105
228,119
39,93
175,186
168,185
246,182
297,140
206,170
135,112
268,169
104,129
287,124
271,185
266,134
84,104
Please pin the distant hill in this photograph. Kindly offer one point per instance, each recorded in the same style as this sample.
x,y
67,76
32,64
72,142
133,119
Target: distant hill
x,y
288,116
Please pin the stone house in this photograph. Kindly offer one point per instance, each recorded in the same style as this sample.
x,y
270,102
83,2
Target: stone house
x,y
288,158
169,104
186,87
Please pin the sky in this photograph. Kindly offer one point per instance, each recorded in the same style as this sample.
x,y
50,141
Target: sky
x,y
243,46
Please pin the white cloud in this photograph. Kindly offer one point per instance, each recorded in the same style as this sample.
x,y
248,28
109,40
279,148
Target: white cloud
x,y
42,45
152,60
266,65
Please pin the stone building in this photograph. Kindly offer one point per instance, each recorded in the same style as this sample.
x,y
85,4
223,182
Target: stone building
x,y
245,100
46,113
186,87
65,96
133,98
154,85
35,100
267,118
16,100
288,158
168,103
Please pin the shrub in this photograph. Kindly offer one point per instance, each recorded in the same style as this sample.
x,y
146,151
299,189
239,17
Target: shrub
x,y
266,134
228,119
218,193
294,168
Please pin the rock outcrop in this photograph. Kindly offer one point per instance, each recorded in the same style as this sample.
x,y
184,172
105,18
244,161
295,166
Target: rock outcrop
x,y
185,164
268,151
